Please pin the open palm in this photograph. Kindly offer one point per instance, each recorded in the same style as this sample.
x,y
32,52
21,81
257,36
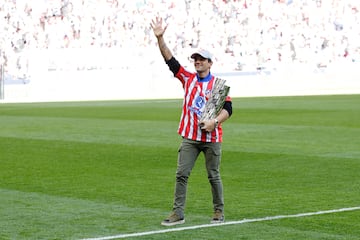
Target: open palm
x,y
157,26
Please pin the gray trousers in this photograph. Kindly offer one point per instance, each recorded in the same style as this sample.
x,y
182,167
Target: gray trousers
x,y
188,153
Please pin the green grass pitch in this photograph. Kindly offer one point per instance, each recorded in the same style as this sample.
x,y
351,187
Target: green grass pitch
x,y
77,170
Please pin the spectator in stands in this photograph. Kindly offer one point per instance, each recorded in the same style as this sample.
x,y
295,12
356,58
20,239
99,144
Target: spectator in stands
x,y
242,26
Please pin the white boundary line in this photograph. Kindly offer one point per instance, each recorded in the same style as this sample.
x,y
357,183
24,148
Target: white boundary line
x,y
225,223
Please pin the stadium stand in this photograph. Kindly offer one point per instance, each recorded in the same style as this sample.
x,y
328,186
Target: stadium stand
x,y
245,35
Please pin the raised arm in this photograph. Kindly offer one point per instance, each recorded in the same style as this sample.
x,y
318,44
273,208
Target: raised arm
x,y
159,30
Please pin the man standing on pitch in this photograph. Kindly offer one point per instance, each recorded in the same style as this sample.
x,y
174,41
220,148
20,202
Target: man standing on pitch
x,y
197,136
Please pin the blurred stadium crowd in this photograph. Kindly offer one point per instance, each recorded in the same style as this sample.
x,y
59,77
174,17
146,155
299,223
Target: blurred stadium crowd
x,y
243,34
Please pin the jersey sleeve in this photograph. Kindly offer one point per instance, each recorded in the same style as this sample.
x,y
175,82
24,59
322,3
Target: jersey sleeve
x,y
174,65
179,71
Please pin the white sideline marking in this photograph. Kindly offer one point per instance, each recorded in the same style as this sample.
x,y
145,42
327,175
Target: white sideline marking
x,y
225,223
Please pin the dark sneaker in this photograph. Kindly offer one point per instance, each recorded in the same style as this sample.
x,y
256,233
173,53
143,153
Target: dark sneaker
x,y
218,217
173,219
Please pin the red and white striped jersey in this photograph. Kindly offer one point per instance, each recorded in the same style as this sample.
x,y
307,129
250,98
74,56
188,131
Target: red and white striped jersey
x,y
196,93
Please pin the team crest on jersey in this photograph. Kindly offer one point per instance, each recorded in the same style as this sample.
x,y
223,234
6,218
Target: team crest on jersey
x,y
207,94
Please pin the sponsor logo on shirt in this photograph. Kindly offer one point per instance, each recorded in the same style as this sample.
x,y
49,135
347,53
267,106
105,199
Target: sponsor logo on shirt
x,y
198,105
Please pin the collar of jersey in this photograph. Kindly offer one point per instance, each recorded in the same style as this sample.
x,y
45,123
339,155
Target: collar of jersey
x,y
205,79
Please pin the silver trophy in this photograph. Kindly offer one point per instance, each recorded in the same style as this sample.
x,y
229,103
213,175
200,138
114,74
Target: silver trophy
x,y
216,100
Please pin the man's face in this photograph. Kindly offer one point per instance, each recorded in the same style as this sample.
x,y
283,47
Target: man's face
x,y
202,64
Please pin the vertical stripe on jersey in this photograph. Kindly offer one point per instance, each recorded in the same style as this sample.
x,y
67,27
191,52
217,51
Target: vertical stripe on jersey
x,y
183,76
191,92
